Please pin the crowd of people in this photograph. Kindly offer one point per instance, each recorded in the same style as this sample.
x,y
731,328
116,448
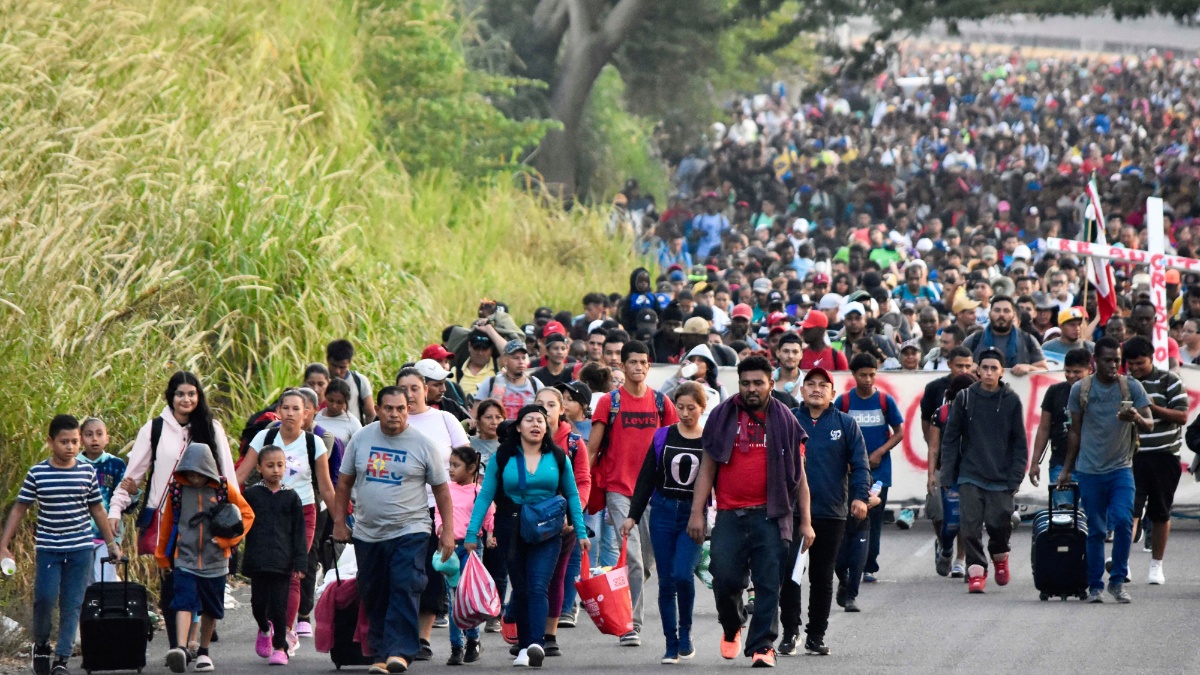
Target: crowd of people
x,y
894,225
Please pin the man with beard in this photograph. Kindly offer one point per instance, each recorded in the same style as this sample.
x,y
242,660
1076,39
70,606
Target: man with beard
x,y
787,353
753,457
817,352
739,325
1021,351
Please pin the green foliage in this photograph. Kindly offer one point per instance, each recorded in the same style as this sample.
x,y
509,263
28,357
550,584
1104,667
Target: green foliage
x,y
618,145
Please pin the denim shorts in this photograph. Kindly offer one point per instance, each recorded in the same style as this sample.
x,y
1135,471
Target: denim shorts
x,y
199,595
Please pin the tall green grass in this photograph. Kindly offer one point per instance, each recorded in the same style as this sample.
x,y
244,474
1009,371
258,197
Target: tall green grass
x,y
200,186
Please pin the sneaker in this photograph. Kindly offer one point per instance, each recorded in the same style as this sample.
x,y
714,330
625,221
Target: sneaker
x,y
457,656
763,658
631,639
977,579
840,596
958,569
550,645
441,621
536,654
41,659
492,625
869,578
60,669
473,652
787,646
1108,537
686,650
278,658
670,657
816,646
293,642
851,606
522,660
1002,573
1095,596
304,629
943,565
1016,519
730,648
396,664
177,660
204,664
425,651
262,645
570,618
514,650
1156,577
1108,569
1117,590
377,669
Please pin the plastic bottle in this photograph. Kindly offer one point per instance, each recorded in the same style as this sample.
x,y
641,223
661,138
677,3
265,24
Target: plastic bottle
x,y
876,488
8,566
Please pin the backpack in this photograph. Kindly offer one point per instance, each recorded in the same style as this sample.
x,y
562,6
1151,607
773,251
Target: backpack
x,y
844,404
359,384
257,422
175,492
614,399
498,392
1085,392
145,514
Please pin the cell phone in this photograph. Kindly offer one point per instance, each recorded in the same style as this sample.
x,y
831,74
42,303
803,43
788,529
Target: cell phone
x,y
1126,405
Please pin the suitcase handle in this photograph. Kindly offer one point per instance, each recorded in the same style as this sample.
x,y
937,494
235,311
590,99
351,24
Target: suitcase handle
x,y
337,575
123,560
1071,487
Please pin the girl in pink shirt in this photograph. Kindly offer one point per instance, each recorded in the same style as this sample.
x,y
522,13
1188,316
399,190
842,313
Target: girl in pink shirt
x,y
464,488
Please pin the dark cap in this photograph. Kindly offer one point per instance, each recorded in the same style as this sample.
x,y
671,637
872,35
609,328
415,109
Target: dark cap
x,y
578,391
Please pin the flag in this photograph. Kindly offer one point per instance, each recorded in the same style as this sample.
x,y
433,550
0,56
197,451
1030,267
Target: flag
x,y
1099,271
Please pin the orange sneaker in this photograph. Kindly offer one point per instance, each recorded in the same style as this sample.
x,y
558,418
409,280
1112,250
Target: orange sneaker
x,y
1002,574
764,659
731,648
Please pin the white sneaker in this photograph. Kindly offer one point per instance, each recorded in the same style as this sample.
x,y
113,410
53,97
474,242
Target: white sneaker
x,y
522,660
1156,577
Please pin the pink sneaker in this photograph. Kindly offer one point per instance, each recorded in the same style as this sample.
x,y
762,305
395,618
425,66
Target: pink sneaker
x,y
304,629
262,645
278,658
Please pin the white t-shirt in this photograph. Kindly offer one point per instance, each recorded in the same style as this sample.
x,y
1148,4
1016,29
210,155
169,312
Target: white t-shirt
x,y
343,427
443,430
298,475
357,393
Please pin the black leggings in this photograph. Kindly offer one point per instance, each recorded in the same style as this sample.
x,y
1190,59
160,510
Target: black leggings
x,y
320,553
268,602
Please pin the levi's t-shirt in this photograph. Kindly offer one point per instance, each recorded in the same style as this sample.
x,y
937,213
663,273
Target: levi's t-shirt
x,y
630,435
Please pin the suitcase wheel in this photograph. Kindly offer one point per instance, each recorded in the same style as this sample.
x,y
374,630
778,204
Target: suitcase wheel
x,y
1044,597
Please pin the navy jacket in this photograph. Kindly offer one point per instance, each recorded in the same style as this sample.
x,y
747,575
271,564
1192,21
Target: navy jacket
x,y
835,462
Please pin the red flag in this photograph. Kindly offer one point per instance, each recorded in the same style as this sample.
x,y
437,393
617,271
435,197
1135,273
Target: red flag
x,y
1100,274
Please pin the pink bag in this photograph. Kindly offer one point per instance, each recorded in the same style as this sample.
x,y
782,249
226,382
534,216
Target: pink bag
x,y
476,599
607,598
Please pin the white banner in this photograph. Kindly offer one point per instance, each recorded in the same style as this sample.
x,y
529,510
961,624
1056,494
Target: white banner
x,y
909,457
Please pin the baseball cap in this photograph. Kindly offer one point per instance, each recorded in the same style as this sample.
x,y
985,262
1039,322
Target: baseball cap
x,y
774,297
694,326
742,311
677,275
543,312
761,285
554,337
514,346
820,278
439,353
529,330
815,319
962,302
910,345
479,338
596,325
1071,314
1173,277
645,315
852,307
908,307
578,391
818,372
431,370
830,301
776,318
553,328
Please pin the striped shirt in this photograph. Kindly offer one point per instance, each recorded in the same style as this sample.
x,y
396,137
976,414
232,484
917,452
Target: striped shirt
x,y
1164,389
64,497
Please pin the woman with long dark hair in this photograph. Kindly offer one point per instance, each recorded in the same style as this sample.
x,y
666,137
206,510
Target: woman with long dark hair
x,y
160,443
532,473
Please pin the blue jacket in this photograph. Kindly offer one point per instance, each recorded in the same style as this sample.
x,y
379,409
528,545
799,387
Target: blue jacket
x,y
835,451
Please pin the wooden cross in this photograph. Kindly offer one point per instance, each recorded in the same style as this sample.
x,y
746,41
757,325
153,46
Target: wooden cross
x,y
1156,258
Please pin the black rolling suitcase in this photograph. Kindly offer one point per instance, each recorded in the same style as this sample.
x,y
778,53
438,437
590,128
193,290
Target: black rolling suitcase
x,y
1059,554
114,625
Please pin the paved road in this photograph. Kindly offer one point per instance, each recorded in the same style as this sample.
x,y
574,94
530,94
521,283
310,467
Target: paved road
x,y
912,621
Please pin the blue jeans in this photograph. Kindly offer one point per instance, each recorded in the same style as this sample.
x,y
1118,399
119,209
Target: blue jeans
x,y
745,540
852,557
456,633
610,548
1062,497
573,569
1108,501
875,515
677,556
61,579
530,569
391,576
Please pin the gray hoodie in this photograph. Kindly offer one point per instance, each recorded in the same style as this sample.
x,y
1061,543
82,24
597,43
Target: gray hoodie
x,y
192,548
984,441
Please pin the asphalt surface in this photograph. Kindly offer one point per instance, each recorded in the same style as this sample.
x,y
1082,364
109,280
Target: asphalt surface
x,y
912,621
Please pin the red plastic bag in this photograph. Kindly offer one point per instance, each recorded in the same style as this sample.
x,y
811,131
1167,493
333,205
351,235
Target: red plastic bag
x,y
476,599
606,597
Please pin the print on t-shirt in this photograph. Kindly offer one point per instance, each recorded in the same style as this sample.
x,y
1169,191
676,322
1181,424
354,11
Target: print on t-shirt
x,y
380,468
639,420
684,468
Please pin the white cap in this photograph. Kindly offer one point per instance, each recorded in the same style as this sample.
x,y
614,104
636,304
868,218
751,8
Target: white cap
x,y
594,325
800,225
924,245
830,301
431,370
852,307
1022,252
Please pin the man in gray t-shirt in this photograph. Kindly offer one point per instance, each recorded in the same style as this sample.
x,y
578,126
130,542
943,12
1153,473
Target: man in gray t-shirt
x,y
1100,447
387,465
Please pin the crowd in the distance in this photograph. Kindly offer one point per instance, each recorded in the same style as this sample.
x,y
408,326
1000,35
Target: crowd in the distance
x,y
894,225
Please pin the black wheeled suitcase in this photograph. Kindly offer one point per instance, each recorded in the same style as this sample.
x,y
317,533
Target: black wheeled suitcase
x,y
114,625
1059,554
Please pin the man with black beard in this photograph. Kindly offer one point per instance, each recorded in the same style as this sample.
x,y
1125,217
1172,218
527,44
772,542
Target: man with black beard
x,y
1021,350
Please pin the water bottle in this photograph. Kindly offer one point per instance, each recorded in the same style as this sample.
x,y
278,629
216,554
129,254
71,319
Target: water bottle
x,y
8,566
876,488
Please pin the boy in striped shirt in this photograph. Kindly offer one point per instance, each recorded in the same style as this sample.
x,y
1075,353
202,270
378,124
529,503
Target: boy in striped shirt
x,y
68,501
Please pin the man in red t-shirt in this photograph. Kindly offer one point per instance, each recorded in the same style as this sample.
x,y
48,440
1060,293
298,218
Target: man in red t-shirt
x,y
617,448
818,353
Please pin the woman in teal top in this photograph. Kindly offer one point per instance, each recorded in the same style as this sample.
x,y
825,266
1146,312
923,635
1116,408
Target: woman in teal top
x,y
527,444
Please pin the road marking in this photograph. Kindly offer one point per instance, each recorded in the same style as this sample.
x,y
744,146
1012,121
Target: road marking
x,y
925,549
